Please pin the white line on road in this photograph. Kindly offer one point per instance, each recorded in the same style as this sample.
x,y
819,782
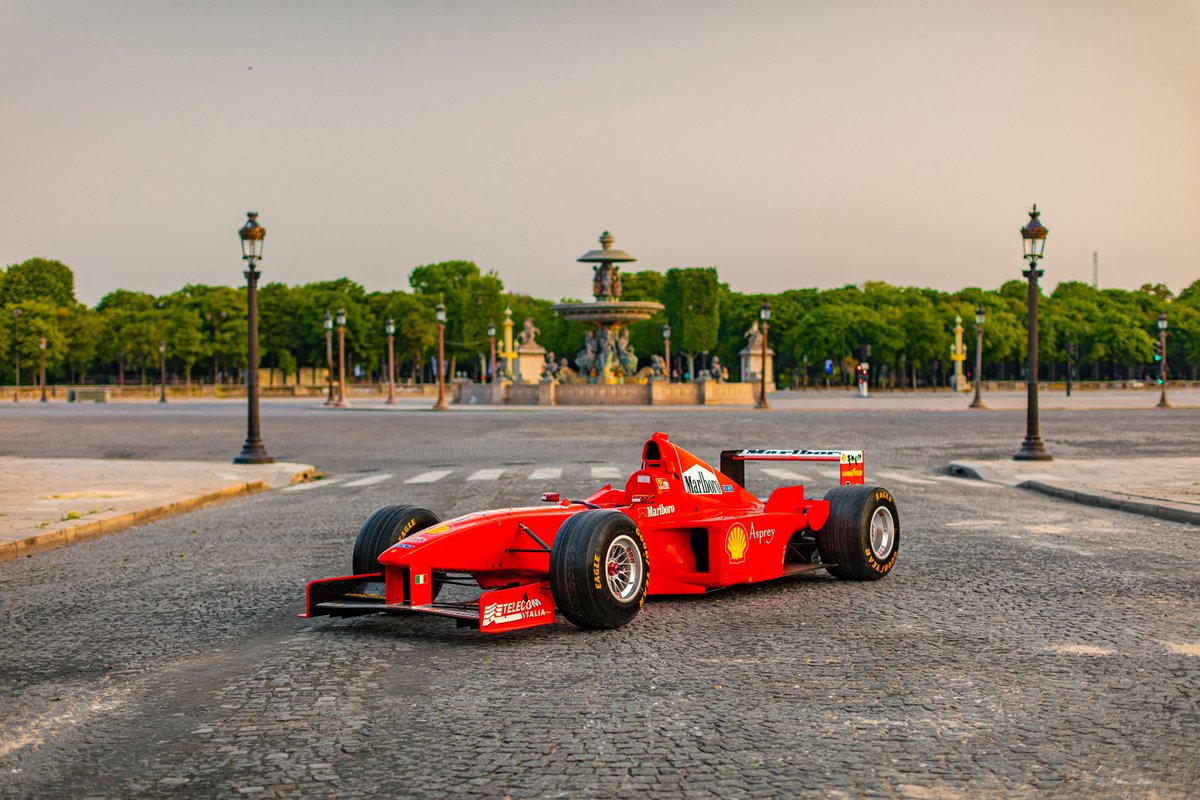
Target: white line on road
x,y
371,480
969,482
605,472
785,475
486,475
902,478
429,477
304,487
546,474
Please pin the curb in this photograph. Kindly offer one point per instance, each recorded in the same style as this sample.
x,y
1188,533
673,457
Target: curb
x,y
1105,500
62,537
1172,513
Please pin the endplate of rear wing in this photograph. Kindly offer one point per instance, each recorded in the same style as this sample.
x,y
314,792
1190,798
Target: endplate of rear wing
x,y
733,462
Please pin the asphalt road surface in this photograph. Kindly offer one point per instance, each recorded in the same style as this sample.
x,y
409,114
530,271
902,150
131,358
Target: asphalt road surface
x,y
1022,645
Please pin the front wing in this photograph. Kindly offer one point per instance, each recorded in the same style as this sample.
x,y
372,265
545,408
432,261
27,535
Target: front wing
x,y
497,611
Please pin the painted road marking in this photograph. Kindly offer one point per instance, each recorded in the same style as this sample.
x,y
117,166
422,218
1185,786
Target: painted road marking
x,y
371,480
785,475
546,474
605,472
430,477
304,487
900,476
486,475
969,482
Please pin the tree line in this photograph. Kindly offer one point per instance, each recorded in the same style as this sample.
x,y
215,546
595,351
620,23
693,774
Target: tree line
x,y
1104,334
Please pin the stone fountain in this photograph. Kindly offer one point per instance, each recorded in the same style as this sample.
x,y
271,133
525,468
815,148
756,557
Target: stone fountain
x,y
607,356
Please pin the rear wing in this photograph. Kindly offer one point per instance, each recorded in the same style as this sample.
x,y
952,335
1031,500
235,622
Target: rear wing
x,y
733,462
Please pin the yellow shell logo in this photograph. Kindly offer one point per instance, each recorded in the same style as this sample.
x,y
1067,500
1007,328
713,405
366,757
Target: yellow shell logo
x,y
736,543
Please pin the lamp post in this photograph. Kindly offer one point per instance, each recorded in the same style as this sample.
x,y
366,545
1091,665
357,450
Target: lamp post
x,y
328,323
162,362
1162,364
342,401
1033,235
764,314
42,347
17,353
979,317
390,328
491,332
440,405
667,347
252,235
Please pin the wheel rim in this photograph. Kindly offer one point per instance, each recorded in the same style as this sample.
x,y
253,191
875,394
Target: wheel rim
x,y
623,568
883,532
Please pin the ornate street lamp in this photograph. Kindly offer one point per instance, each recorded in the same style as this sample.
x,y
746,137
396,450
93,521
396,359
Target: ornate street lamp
x,y
764,314
491,332
343,401
42,347
667,347
162,362
17,353
390,329
440,405
328,323
979,317
252,235
1162,364
1033,235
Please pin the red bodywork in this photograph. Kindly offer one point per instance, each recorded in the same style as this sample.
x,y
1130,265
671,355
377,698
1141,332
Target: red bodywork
x,y
703,530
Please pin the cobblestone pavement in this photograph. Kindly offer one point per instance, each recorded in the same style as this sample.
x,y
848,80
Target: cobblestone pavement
x,y
1022,646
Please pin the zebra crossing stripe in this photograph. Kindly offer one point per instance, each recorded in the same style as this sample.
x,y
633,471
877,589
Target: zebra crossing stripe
x,y
902,478
546,474
486,475
785,475
370,480
429,477
304,487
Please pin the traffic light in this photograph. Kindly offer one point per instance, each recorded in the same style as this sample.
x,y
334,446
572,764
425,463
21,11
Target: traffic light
x,y
1158,351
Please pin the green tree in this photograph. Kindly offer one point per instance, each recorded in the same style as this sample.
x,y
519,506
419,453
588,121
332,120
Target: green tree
x,y
84,329
416,328
691,296
472,300
35,321
38,280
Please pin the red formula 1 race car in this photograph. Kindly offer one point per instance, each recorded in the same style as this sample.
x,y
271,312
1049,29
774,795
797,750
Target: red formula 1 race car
x,y
677,527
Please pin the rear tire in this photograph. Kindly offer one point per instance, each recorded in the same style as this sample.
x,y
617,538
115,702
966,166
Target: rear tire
x,y
862,535
384,528
599,570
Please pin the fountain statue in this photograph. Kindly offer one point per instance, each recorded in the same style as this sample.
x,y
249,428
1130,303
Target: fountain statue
x,y
607,356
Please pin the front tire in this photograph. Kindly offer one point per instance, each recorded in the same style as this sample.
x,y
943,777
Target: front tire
x,y
599,570
384,528
861,538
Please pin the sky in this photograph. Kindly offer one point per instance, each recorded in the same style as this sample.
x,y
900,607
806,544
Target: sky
x,y
789,144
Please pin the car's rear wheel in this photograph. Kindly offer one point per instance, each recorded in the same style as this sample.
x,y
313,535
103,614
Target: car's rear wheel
x,y
598,569
384,528
861,538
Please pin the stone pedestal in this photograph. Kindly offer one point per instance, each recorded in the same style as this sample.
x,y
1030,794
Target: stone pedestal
x,y
752,366
531,359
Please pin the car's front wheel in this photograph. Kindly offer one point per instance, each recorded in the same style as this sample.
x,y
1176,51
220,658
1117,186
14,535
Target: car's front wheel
x,y
599,570
384,528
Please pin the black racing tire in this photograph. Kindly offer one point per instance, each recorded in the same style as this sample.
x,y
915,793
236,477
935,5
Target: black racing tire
x,y
599,569
384,528
861,538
